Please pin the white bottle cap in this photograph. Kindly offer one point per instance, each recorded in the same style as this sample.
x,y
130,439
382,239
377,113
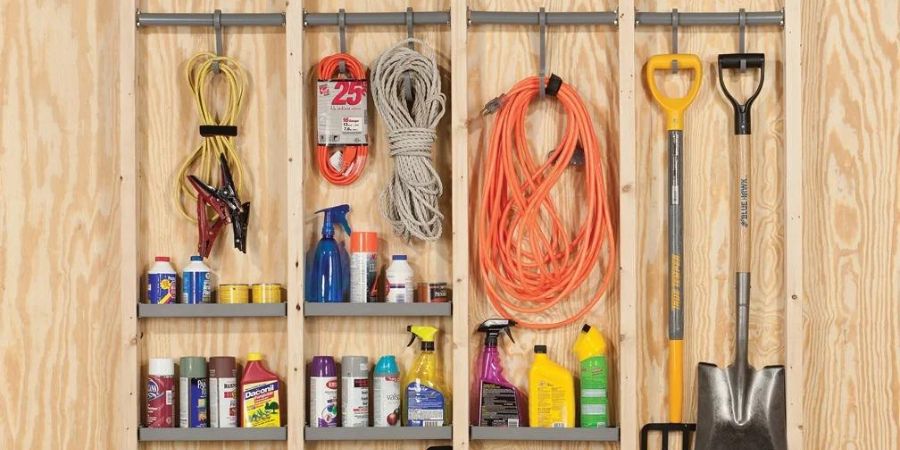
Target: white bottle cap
x,y
162,366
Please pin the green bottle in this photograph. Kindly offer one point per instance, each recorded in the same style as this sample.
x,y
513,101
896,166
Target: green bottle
x,y
591,350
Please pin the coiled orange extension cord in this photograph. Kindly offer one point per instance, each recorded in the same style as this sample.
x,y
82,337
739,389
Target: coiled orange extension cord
x,y
528,258
353,156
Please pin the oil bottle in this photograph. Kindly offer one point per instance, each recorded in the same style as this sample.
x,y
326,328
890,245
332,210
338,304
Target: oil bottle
x,y
426,400
551,391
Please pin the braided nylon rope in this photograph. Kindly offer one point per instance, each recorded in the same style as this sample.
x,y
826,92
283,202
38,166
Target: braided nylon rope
x,y
410,199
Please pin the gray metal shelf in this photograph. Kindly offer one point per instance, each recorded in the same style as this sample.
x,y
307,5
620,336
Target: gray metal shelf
x,y
146,310
311,309
379,434
545,434
212,434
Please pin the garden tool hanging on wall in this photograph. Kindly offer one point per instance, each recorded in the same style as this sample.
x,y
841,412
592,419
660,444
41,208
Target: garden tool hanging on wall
x,y
741,408
227,206
674,108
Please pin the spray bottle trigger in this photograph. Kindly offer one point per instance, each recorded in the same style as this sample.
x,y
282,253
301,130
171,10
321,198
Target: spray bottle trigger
x,y
509,333
412,338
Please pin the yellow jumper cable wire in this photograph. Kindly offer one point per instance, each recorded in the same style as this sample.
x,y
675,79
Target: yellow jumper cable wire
x,y
203,161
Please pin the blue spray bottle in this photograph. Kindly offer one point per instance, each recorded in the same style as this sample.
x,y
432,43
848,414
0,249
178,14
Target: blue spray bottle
x,y
328,265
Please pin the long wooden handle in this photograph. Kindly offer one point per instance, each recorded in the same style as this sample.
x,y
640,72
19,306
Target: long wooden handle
x,y
743,237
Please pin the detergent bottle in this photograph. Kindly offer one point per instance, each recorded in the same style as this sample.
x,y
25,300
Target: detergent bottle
x,y
590,347
496,402
328,265
551,392
426,400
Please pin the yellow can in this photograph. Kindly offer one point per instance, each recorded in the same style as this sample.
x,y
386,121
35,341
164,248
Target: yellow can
x,y
234,293
267,293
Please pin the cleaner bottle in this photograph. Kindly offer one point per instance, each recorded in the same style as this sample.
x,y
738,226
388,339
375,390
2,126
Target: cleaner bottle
x,y
496,401
354,391
399,286
551,392
426,400
260,395
323,393
161,282
590,347
196,282
328,266
386,392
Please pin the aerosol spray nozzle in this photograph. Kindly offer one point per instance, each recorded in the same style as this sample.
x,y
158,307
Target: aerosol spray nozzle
x,y
492,329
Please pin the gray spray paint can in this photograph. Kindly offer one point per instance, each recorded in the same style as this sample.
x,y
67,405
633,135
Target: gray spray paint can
x,y
355,391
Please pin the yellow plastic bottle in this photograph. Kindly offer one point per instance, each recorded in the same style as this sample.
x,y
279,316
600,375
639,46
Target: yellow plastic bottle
x,y
551,391
426,400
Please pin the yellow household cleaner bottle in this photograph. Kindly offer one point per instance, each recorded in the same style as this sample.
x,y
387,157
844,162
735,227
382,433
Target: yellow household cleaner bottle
x,y
551,389
590,347
426,400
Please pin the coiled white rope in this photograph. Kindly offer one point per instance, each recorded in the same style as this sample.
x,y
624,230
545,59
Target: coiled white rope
x,y
410,199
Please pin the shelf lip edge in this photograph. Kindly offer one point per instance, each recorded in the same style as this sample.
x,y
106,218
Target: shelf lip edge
x,y
607,434
313,434
238,310
174,434
379,309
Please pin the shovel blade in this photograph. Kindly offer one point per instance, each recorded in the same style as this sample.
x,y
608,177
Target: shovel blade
x,y
741,412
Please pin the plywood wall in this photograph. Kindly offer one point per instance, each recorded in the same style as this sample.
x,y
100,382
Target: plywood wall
x,y
60,315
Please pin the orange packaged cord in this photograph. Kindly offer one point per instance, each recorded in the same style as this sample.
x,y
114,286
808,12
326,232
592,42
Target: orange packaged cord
x,y
353,157
528,258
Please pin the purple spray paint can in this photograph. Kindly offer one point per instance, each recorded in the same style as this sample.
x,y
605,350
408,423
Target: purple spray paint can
x,y
323,389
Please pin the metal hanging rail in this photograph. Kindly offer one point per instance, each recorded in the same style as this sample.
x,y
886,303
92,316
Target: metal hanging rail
x,y
710,18
377,18
209,19
552,18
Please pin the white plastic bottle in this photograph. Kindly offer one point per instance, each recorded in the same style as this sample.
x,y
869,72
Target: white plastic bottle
x,y
161,282
400,286
196,282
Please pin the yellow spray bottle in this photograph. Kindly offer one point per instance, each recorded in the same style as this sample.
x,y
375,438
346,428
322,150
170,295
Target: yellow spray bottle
x,y
426,400
590,347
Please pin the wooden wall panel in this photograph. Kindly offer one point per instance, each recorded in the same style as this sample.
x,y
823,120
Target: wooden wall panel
x,y
431,261
708,207
166,134
852,202
59,203
586,58
58,225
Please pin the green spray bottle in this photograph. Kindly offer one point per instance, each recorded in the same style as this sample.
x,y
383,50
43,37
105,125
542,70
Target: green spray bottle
x,y
590,347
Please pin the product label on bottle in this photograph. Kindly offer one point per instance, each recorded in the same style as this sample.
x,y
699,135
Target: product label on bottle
x,y
160,401
386,406
323,407
398,292
550,405
223,403
341,112
193,400
261,405
195,288
425,406
594,398
499,406
362,277
355,402
161,288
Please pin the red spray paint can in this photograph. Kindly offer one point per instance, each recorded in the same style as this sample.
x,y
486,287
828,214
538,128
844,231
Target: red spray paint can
x,y
161,393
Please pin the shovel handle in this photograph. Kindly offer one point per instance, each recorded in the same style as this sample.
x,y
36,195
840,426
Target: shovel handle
x,y
676,380
743,189
674,107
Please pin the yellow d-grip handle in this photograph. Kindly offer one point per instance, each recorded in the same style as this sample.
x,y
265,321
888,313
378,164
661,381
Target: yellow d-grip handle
x,y
676,375
674,107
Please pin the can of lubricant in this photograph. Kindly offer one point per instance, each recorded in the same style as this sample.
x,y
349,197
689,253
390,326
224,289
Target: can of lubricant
x,y
161,393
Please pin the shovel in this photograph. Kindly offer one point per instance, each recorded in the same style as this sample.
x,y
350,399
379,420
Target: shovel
x,y
741,408
674,108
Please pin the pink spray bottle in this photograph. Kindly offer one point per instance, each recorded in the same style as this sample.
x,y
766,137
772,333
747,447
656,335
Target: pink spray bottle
x,y
495,401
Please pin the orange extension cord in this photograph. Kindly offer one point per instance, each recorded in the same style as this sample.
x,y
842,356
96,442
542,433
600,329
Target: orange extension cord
x,y
353,156
529,260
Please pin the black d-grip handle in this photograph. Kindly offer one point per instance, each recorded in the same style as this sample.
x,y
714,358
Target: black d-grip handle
x,y
740,61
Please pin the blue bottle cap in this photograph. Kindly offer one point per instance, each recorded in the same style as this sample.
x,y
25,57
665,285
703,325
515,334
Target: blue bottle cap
x,y
196,258
398,258
387,364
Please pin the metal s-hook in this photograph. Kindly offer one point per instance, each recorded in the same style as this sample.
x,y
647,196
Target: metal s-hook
x,y
674,38
542,61
407,81
342,39
742,33
217,25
